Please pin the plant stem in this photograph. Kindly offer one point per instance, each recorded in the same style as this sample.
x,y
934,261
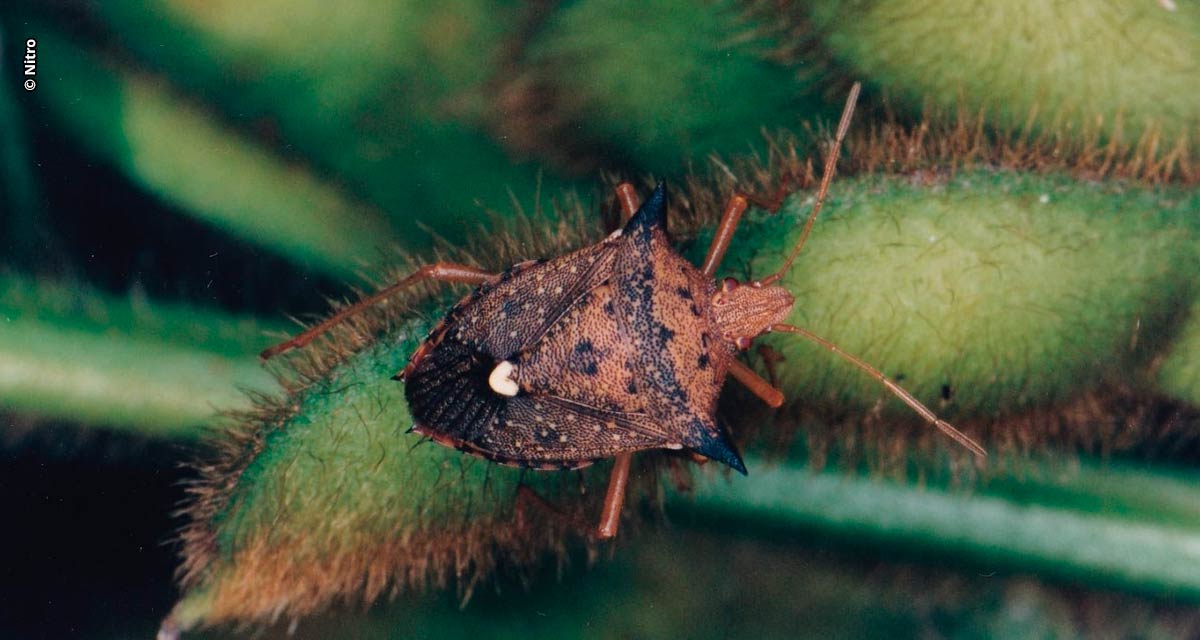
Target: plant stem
x,y
1138,529
159,370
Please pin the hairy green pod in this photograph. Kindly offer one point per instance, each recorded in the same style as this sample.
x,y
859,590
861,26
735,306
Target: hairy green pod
x,y
988,294
1018,290
1077,68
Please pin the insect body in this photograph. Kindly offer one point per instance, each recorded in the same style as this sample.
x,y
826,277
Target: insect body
x,y
618,347
555,364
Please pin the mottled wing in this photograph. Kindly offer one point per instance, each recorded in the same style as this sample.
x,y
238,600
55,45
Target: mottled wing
x,y
504,317
447,380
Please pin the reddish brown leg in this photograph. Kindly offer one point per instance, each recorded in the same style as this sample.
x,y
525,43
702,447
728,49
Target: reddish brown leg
x,y
770,358
759,387
440,271
614,499
628,198
897,390
729,222
720,243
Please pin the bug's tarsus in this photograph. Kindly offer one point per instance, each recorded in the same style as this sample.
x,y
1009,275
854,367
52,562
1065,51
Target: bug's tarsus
x,y
439,271
826,177
897,390
773,203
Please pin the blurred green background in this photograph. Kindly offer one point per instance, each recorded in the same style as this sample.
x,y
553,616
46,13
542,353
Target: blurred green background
x,y
186,175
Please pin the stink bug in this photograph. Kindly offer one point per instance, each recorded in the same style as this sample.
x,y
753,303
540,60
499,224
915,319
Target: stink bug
x,y
618,347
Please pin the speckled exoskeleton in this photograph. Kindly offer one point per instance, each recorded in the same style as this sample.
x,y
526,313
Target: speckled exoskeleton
x,y
618,347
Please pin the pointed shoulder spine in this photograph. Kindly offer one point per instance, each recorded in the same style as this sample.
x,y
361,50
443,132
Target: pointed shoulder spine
x,y
652,214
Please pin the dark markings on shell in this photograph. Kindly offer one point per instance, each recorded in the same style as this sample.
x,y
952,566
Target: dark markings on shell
x,y
557,363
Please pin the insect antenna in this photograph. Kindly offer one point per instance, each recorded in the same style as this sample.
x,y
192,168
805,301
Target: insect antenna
x,y
897,390
826,177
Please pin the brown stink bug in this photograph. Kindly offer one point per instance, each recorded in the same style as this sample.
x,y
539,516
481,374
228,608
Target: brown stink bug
x,y
618,347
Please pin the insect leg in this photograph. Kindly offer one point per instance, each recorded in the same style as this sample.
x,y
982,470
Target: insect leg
x,y
628,198
897,390
756,384
826,176
440,271
614,499
730,219
720,242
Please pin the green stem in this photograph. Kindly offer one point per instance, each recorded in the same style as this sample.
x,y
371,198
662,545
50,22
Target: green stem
x,y
1045,526
158,370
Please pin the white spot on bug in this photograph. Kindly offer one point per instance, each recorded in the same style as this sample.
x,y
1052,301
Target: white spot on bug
x,y
545,433
616,436
673,445
500,380
558,289
512,334
541,290
573,269
562,438
614,235
596,428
